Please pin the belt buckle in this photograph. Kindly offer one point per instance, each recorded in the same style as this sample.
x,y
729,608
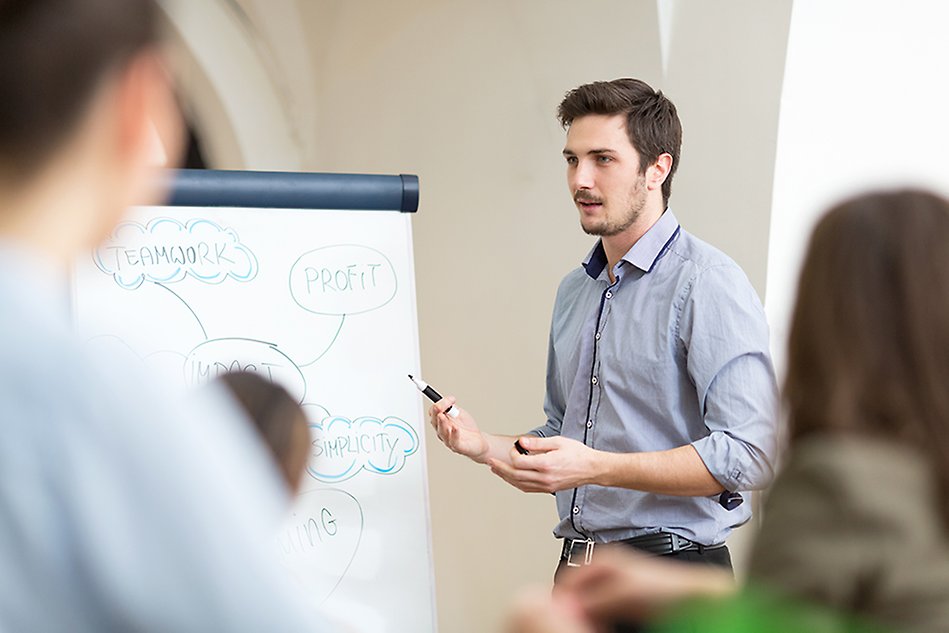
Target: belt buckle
x,y
587,552
681,544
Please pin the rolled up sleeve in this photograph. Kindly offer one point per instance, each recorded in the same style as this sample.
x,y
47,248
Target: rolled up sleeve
x,y
725,336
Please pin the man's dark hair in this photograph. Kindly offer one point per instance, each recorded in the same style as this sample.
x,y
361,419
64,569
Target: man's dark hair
x,y
651,120
53,56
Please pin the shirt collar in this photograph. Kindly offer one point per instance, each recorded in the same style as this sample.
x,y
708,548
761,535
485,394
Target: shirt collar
x,y
644,253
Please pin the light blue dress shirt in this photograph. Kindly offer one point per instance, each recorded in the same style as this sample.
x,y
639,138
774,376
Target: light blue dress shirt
x,y
120,511
674,352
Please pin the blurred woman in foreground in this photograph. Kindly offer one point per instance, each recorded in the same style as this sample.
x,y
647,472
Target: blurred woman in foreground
x,y
856,524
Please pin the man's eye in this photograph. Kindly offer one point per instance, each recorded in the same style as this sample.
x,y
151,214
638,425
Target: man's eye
x,y
571,160
604,159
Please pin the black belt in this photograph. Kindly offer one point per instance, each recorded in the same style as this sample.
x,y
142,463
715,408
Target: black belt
x,y
579,552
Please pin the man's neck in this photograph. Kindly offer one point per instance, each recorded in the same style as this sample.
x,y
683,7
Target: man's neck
x,y
615,246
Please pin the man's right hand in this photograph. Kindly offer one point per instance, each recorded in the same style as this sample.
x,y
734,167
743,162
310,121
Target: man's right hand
x,y
460,434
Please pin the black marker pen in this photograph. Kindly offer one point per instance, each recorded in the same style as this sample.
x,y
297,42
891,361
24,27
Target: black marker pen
x,y
432,395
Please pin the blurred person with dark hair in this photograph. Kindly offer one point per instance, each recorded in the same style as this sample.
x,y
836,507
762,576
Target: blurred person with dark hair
x,y
279,420
860,518
119,511
661,397
857,521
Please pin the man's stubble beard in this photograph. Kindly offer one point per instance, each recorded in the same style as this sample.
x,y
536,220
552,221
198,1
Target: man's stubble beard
x,y
608,227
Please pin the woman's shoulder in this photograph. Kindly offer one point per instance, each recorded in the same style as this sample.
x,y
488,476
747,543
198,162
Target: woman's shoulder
x,y
853,522
859,480
858,460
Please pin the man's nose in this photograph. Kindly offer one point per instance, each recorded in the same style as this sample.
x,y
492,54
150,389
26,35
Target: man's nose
x,y
583,177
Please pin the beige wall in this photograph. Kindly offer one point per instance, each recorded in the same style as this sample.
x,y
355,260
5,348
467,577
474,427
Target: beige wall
x,y
463,94
725,70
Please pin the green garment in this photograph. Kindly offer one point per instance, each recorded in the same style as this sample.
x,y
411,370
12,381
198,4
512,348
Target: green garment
x,y
752,612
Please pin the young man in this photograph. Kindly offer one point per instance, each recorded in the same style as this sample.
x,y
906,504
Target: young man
x,y
661,397
118,511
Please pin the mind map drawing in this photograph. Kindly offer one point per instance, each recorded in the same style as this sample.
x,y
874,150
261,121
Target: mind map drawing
x,y
166,251
320,538
337,280
326,281
343,448
322,303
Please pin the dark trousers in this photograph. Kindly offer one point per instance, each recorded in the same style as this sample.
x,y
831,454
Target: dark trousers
x,y
718,557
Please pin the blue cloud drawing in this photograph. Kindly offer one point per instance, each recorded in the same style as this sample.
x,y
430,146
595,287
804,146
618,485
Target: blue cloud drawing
x,y
342,448
166,251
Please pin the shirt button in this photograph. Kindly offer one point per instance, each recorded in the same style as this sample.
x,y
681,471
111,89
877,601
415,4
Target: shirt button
x,y
594,380
576,509
597,336
609,295
589,424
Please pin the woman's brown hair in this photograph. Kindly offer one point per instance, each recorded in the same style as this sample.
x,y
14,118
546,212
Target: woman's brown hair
x,y
869,342
278,418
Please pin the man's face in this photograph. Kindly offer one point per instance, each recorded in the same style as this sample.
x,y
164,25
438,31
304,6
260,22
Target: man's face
x,y
603,174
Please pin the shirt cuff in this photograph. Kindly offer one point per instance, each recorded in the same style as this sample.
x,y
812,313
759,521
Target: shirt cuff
x,y
724,458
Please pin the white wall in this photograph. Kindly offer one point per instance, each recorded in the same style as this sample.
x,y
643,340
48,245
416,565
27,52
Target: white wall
x,y
864,106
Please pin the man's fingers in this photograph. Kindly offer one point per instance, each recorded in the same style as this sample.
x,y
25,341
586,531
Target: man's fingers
x,y
442,429
435,416
536,444
443,405
537,449
537,463
523,487
527,480
506,477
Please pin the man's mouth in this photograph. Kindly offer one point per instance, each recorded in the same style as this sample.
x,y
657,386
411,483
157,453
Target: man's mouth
x,y
588,205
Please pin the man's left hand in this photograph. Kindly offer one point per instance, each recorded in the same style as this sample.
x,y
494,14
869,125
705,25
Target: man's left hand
x,y
553,463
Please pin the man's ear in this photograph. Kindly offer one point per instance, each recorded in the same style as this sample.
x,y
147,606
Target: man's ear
x,y
149,128
657,173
